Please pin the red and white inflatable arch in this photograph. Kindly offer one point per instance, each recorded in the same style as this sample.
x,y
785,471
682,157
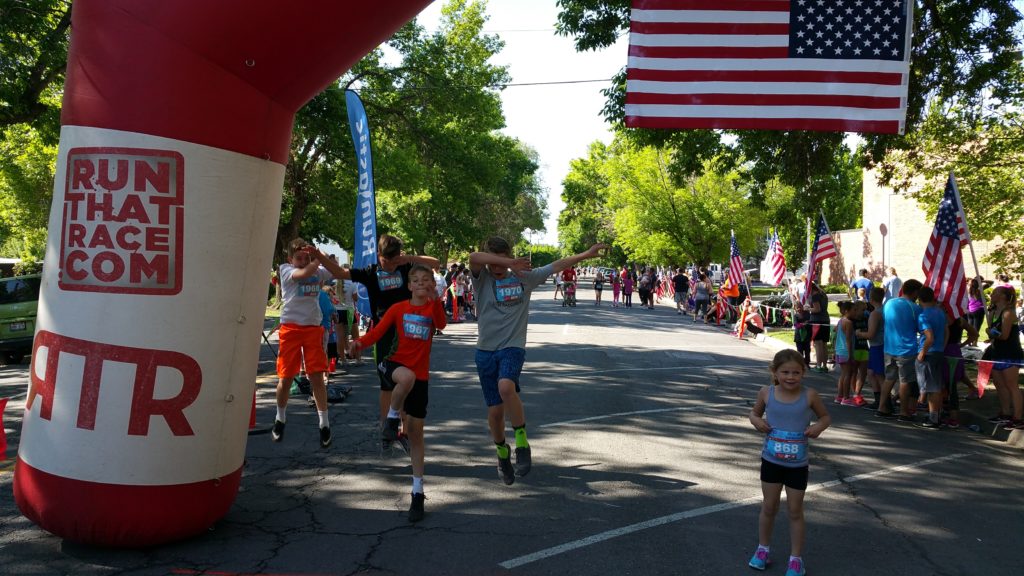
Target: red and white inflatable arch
x,y
176,122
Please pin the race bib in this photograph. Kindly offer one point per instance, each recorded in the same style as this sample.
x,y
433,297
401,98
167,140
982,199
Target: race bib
x,y
389,280
417,327
310,289
785,446
508,290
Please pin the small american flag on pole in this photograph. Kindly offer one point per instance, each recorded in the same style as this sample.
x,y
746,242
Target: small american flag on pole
x,y
776,261
943,263
831,65
735,262
824,248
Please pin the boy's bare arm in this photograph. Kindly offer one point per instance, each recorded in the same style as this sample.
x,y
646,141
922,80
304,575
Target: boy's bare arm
x,y
333,267
428,261
594,251
477,260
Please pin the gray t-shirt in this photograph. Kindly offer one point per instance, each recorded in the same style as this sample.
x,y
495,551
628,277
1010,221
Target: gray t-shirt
x,y
503,307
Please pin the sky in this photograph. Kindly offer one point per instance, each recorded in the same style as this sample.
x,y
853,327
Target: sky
x,y
559,121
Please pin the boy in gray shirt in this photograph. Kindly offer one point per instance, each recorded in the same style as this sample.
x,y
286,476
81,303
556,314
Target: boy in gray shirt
x,y
502,285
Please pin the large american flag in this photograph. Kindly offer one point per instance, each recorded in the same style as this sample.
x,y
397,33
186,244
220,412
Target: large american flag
x,y
735,262
776,261
943,263
823,249
833,65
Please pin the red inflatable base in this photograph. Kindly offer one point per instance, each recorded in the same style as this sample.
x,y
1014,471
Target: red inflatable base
x,y
119,515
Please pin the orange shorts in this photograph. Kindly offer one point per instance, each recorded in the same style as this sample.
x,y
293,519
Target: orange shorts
x,y
296,343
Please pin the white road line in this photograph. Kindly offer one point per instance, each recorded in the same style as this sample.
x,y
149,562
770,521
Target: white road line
x,y
652,411
686,367
704,511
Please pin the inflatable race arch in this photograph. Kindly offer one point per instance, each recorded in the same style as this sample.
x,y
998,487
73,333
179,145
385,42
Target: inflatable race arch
x,y
176,126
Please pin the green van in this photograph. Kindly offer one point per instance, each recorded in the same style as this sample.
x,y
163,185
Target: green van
x,y
19,297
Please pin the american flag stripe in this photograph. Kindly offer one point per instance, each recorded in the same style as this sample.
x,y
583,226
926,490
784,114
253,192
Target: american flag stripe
x,y
719,75
776,260
728,65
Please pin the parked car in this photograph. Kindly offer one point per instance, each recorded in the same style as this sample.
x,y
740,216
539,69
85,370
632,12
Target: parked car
x,y
19,298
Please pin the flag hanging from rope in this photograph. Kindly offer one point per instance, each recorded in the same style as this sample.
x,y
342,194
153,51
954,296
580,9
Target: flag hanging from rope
x,y
943,262
776,261
830,65
735,262
824,248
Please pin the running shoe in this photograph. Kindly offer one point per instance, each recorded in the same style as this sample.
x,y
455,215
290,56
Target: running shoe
x,y
849,402
858,400
760,560
929,425
902,418
872,406
389,431
325,436
880,414
402,442
505,471
837,400
1014,425
953,423
416,507
278,432
796,567
997,419
524,461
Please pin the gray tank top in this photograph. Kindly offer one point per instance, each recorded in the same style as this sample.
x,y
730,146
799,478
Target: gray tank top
x,y
786,444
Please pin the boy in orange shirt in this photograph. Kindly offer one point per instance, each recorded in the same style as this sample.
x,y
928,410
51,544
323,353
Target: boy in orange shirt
x,y
408,367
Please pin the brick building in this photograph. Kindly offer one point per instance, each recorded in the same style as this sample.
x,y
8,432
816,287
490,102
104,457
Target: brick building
x,y
895,233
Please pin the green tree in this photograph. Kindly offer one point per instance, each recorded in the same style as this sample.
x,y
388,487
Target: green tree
x,y
33,56
984,148
26,191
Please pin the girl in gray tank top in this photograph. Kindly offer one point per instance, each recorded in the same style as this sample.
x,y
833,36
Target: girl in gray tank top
x,y
783,413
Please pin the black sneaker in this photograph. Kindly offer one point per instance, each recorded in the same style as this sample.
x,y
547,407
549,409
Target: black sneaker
x,y
403,443
278,432
902,418
872,406
880,414
325,436
389,431
929,425
524,461
416,508
505,471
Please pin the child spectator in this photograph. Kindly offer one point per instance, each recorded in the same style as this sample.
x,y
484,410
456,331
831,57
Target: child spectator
x,y
616,288
875,335
844,353
301,335
932,326
503,285
627,289
407,370
783,412
1006,355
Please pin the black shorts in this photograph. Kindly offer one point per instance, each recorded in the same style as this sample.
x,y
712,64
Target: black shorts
x,y
416,402
795,478
823,335
382,350
332,350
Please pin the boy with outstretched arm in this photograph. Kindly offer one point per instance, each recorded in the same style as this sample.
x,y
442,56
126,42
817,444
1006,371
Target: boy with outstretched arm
x,y
503,285
301,335
407,369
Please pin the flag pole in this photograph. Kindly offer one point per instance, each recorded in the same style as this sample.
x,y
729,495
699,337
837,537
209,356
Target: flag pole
x,y
970,240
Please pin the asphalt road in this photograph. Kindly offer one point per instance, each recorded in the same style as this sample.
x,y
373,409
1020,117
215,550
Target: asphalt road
x,y
644,463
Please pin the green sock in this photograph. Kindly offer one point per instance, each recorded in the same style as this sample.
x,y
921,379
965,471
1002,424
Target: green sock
x,y
521,436
503,450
